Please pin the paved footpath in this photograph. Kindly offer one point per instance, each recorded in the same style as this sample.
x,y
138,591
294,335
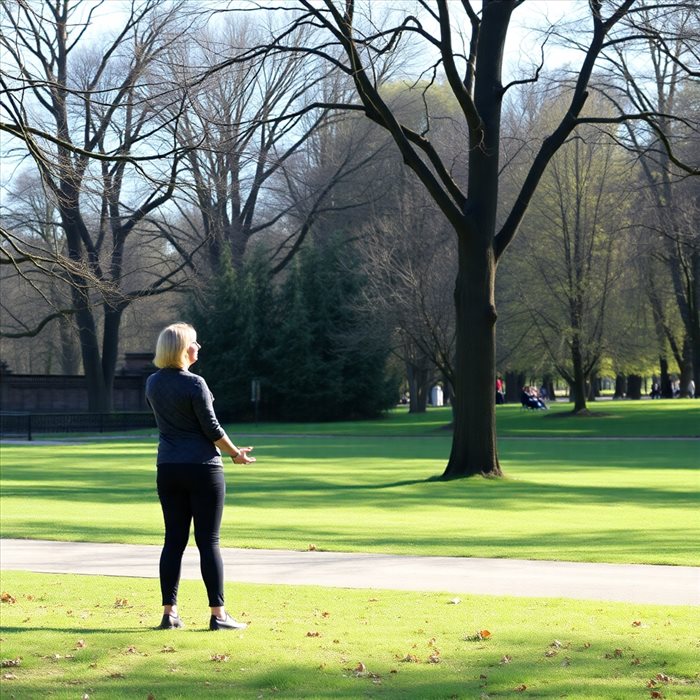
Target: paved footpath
x,y
635,583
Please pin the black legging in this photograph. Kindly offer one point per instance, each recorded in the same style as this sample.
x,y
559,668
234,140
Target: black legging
x,y
191,492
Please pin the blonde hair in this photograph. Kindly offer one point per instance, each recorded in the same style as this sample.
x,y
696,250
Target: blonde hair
x,y
172,345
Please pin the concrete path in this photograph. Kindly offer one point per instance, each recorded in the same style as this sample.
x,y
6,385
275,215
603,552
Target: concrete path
x,y
669,585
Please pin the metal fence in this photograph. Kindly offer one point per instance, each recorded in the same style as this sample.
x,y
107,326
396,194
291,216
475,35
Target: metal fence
x,y
28,425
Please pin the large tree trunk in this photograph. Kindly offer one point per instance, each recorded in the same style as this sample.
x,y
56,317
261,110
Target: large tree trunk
x,y
110,350
665,385
694,287
98,396
686,369
418,380
578,388
474,438
634,386
514,382
620,386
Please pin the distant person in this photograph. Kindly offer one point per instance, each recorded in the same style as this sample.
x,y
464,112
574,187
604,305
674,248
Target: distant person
x,y
190,479
529,398
655,392
500,396
691,389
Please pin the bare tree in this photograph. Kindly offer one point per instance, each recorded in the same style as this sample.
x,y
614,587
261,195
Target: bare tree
x,y
81,118
256,162
467,47
409,264
667,84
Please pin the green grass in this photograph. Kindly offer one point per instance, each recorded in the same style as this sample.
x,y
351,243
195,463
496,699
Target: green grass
x,y
597,500
662,418
310,642
659,418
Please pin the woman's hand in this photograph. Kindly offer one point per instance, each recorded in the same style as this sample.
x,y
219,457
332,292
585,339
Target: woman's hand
x,y
243,457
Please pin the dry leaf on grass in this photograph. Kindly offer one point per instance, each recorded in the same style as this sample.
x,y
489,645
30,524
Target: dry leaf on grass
x,y
410,659
220,658
121,603
313,634
10,663
5,597
478,636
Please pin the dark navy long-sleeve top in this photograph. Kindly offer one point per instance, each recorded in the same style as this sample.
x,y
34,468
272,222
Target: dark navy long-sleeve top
x,y
184,411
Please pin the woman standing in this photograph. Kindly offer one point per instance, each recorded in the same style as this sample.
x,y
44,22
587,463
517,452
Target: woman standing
x,y
190,479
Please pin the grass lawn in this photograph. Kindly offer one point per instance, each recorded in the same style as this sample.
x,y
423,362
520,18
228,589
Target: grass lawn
x,y
85,636
659,418
629,501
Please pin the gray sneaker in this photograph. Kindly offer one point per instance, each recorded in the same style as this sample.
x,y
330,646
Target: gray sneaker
x,y
226,624
170,622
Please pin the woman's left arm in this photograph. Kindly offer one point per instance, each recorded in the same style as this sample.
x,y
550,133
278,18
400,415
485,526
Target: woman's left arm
x,y
239,455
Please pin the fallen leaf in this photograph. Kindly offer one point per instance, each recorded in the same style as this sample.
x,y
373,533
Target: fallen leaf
x,y
80,644
167,650
325,613
85,697
656,694
484,634
312,548
220,658
663,678
410,659
9,676
566,662
5,597
635,661
637,623
151,696
506,659
454,601
131,649
556,644
434,658
9,663
121,603
483,677
360,668
520,688
313,634
117,675
550,652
